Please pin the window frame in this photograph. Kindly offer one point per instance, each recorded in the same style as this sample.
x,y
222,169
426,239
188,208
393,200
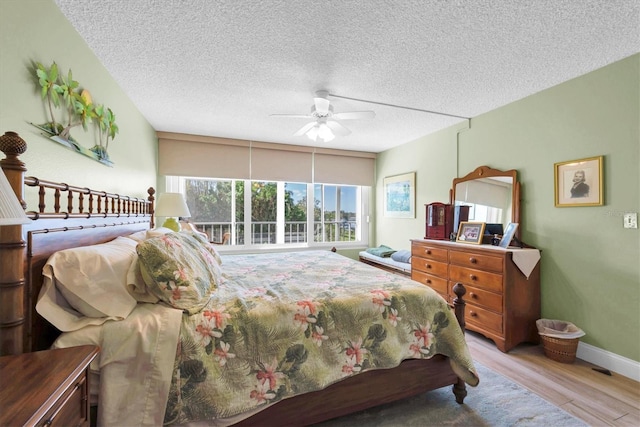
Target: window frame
x,y
363,194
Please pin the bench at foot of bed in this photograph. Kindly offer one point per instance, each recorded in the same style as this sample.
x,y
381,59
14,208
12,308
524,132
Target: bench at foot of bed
x,y
386,263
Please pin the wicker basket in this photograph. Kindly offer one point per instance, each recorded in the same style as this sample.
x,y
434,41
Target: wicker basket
x,y
560,349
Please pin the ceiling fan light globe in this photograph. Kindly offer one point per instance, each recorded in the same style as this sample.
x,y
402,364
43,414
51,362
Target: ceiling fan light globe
x,y
328,138
312,134
325,133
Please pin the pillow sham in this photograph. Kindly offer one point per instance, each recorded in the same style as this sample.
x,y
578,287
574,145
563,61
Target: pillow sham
x,y
179,270
87,285
403,255
204,241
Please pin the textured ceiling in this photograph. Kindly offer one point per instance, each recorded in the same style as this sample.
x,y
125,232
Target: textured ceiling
x,y
221,68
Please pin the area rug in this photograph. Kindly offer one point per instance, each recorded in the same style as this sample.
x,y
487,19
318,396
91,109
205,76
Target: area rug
x,y
497,401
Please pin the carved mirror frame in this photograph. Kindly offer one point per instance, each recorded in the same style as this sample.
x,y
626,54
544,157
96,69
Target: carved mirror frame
x,y
487,172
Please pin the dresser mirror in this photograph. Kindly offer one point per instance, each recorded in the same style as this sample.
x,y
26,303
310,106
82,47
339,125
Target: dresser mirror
x,y
493,196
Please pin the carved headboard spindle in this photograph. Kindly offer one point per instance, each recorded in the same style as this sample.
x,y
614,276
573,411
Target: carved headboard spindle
x,y
12,254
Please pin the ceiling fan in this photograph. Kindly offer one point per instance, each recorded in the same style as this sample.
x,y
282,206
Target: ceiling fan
x,y
325,124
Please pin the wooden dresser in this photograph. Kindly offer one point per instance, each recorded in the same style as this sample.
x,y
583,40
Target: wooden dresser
x,y
46,388
502,303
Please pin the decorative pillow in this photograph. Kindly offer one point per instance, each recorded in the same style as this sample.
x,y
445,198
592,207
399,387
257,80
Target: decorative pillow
x,y
403,255
87,285
204,241
179,270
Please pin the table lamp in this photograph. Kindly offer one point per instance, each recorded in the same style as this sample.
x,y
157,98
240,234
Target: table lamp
x,y
172,205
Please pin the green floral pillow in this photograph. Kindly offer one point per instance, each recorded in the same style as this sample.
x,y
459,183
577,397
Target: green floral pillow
x,y
207,245
179,270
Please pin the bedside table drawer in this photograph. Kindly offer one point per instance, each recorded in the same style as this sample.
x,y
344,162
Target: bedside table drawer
x,y
49,387
71,408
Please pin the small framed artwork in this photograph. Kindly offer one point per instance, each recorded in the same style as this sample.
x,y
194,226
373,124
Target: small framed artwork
x,y
470,232
579,183
400,196
507,237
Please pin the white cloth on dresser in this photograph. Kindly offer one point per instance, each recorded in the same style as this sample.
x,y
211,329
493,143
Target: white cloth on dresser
x,y
525,259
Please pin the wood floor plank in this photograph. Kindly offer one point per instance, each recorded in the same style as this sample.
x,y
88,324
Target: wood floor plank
x,y
591,396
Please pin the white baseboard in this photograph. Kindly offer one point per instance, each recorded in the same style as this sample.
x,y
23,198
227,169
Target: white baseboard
x,y
611,361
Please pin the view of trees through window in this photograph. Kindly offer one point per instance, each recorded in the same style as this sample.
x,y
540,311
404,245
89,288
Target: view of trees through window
x,y
275,212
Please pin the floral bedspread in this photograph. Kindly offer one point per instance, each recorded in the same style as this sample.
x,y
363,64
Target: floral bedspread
x,y
288,323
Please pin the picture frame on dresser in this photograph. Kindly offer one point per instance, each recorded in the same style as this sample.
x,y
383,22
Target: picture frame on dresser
x,y
470,232
508,235
579,183
400,196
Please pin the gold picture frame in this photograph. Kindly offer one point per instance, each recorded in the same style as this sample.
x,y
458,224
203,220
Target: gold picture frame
x,y
400,196
579,182
470,232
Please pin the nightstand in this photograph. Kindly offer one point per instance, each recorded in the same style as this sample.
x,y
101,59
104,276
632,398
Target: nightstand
x,y
46,387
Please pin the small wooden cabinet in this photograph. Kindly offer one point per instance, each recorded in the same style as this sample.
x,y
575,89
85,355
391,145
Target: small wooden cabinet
x,y
443,219
46,387
502,303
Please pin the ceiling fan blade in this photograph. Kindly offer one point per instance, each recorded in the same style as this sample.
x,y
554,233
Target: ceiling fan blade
x,y
294,116
322,106
304,129
337,128
352,115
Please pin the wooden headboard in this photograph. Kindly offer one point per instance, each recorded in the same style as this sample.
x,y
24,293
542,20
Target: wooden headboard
x,y
67,216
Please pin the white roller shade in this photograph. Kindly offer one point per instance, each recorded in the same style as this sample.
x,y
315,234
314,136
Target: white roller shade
x,y
212,157
284,163
209,158
353,169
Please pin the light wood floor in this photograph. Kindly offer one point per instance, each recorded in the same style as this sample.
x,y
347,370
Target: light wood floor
x,y
595,398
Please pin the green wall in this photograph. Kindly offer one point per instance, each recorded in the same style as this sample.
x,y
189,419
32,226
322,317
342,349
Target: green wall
x,y
36,31
590,263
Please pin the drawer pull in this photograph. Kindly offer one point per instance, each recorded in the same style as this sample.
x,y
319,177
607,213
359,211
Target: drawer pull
x,y
427,251
428,265
473,277
473,260
428,281
473,314
63,404
472,295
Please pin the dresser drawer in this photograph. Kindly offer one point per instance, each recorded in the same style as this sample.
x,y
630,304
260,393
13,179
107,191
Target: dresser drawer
x,y
429,266
438,284
482,318
71,407
476,261
426,251
483,298
481,279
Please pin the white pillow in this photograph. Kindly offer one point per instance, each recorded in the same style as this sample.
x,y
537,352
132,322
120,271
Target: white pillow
x,y
87,285
136,286
141,236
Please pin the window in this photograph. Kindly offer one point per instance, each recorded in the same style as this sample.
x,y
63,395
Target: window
x,y
276,213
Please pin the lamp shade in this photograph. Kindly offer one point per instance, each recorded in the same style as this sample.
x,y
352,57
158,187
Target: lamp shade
x,y
172,205
11,211
322,131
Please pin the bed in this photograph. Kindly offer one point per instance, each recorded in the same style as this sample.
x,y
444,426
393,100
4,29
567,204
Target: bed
x,y
282,374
